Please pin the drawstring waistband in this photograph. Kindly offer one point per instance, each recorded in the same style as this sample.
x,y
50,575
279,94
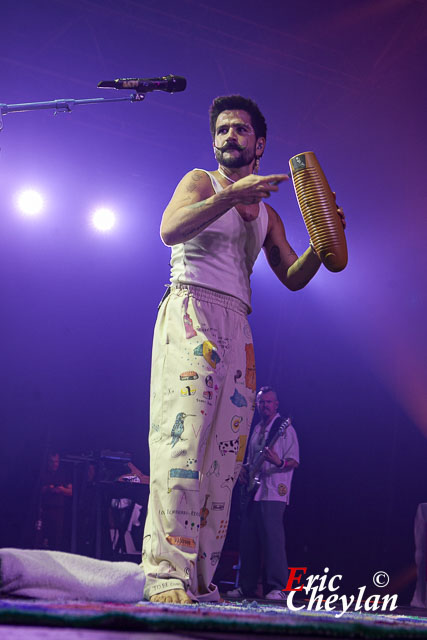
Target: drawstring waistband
x,y
208,295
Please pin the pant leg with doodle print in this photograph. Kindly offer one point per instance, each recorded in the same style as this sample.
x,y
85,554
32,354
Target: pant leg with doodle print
x,y
202,401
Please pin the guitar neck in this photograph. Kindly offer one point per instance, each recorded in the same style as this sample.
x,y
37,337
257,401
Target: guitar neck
x,y
259,460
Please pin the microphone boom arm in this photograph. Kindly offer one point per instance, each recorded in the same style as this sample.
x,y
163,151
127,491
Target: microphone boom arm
x,y
63,105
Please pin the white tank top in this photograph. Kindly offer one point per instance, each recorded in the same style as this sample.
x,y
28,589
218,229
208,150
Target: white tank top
x,y
222,256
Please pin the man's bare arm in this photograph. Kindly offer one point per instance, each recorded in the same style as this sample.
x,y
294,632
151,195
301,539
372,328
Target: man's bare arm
x,y
194,205
293,271
286,463
290,463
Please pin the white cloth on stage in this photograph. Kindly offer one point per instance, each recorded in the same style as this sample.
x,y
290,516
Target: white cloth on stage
x,y
55,575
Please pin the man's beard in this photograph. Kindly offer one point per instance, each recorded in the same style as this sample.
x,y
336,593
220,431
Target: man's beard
x,y
244,159
267,413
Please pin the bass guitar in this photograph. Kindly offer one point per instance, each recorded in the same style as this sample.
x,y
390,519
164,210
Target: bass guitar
x,y
249,490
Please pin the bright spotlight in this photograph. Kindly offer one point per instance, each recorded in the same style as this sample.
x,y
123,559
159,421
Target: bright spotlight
x,y
103,219
30,202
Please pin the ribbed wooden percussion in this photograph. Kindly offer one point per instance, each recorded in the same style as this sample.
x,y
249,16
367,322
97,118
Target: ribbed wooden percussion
x,y
319,210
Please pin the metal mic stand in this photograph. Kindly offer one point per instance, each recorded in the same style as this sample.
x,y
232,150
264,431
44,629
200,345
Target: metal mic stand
x,y
63,105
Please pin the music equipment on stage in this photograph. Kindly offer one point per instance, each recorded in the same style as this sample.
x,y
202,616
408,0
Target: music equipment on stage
x,y
249,490
140,87
319,210
171,84
98,501
115,456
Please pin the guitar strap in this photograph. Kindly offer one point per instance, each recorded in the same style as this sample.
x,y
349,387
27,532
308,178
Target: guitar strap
x,y
273,430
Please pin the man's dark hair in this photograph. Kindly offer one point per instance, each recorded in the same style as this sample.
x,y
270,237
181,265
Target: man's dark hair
x,y
226,103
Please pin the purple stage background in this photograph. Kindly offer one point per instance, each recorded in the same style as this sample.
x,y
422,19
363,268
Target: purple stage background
x,y
347,354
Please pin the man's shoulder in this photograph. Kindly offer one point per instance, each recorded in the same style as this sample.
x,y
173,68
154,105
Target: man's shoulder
x,y
200,173
291,434
197,174
197,180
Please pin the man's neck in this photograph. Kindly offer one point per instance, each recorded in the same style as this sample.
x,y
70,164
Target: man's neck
x,y
234,174
266,422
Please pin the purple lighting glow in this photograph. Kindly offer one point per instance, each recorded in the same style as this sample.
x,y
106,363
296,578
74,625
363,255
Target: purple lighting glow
x,y
83,265
103,219
29,202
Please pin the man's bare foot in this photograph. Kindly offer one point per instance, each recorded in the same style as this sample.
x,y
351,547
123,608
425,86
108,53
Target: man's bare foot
x,y
177,596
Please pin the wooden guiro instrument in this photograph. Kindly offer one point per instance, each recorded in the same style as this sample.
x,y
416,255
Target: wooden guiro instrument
x,y
319,210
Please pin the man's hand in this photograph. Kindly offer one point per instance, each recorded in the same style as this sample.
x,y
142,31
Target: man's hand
x,y
252,189
340,211
271,456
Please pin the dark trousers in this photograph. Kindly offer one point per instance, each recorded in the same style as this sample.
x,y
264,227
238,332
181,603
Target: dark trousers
x,y
262,537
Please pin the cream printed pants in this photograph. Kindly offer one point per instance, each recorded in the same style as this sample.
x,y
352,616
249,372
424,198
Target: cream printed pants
x,y
202,401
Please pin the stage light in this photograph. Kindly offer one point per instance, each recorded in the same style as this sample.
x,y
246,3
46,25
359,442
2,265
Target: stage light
x,y
103,219
30,202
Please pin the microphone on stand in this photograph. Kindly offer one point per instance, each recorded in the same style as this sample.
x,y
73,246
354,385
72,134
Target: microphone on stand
x,y
171,84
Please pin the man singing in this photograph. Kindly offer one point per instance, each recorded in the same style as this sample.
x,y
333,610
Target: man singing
x,y
203,367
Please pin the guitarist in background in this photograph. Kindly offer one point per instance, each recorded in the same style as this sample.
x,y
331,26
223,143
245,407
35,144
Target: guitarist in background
x,y
262,527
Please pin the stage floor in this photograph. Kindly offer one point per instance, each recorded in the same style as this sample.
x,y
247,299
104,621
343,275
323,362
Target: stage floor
x,y
37,620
